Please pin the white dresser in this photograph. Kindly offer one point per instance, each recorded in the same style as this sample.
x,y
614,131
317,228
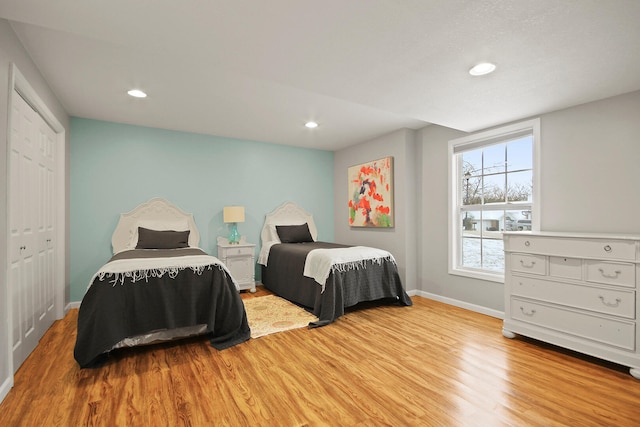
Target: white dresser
x,y
240,260
578,291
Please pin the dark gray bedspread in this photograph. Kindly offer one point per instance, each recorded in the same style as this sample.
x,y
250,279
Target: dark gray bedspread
x,y
109,313
284,276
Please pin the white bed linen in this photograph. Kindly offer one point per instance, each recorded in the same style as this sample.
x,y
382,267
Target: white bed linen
x,y
162,335
142,268
263,257
321,262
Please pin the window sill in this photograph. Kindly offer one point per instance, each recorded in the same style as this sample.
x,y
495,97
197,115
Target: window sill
x,y
477,274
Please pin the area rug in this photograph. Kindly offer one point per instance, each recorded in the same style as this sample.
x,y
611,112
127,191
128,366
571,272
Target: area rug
x,y
271,314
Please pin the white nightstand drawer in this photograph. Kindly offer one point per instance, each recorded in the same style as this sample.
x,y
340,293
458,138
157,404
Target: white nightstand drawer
x,y
527,263
582,248
602,300
606,330
237,251
612,273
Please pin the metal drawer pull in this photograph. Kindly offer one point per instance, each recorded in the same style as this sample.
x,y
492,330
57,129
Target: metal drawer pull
x,y
527,313
527,243
610,276
610,304
607,248
527,265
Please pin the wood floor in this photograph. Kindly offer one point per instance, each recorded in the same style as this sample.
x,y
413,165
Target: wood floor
x,y
426,365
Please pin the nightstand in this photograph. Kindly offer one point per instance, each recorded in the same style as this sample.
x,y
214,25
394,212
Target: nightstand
x,y
240,260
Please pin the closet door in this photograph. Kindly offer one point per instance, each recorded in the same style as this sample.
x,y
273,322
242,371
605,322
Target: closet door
x,y
45,230
32,250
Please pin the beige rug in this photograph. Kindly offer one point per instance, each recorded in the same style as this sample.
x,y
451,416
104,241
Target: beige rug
x,y
271,314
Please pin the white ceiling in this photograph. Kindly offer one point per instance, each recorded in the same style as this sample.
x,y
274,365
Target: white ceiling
x,y
258,70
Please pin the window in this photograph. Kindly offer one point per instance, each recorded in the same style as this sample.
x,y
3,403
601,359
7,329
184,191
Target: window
x,y
493,189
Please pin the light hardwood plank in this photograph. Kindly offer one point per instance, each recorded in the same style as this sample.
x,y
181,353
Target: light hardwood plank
x,y
430,364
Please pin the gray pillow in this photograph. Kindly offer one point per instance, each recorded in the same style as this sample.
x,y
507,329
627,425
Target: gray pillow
x,y
294,233
165,239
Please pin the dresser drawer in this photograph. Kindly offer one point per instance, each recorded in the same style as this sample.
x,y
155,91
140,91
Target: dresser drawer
x,y
602,300
235,251
527,263
576,248
612,273
568,268
615,332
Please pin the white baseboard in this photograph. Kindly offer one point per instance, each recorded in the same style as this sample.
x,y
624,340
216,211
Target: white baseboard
x,y
467,306
73,304
6,388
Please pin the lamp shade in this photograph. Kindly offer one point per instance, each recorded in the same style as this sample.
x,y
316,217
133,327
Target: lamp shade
x,y
233,214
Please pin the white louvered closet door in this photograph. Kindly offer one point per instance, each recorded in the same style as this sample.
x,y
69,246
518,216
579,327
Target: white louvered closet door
x,y
31,228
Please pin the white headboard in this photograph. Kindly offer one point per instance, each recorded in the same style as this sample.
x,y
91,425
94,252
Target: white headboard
x,y
286,214
157,210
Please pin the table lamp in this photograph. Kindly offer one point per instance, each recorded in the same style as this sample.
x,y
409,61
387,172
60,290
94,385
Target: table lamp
x,y
233,215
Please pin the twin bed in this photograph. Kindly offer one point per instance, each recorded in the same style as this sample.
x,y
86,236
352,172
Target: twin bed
x,y
160,286
323,277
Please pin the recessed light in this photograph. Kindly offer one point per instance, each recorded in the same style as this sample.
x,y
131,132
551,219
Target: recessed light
x,y
482,69
137,93
311,125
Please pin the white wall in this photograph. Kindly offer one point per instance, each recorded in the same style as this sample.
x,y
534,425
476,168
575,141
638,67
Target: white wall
x,y
401,240
590,161
590,155
433,276
11,51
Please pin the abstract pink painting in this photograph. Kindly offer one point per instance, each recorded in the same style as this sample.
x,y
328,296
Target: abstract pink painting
x,y
371,194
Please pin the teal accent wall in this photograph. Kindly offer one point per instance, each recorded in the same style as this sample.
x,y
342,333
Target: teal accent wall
x,y
115,167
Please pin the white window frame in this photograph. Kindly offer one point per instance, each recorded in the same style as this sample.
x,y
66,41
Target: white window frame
x,y
479,140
